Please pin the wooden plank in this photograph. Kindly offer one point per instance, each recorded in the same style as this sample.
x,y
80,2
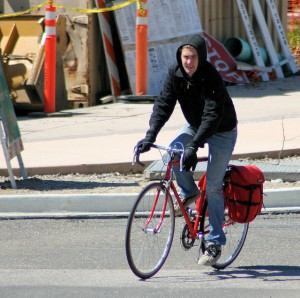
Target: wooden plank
x,y
267,38
213,18
282,36
12,39
237,22
107,41
220,19
252,39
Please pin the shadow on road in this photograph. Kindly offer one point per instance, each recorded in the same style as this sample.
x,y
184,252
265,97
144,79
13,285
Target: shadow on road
x,y
260,271
266,273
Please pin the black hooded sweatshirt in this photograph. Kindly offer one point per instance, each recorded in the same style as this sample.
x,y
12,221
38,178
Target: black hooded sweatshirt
x,y
204,100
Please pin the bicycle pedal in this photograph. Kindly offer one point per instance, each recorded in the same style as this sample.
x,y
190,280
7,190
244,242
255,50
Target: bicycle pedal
x,y
189,212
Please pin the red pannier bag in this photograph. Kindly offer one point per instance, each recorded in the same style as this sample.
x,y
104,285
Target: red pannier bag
x,y
243,192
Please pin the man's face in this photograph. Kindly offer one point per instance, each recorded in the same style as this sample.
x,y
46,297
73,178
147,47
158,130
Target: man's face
x,y
189,59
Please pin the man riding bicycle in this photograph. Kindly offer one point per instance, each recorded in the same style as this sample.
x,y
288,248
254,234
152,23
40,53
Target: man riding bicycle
x,y
211,119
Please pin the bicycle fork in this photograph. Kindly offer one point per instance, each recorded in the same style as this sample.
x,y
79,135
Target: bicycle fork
x,y
158,227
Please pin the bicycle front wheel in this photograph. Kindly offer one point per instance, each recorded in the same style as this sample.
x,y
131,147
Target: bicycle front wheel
x,y
150,230
236,234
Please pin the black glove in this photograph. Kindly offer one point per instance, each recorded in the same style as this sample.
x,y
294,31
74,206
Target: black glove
x,y
144,145
190,157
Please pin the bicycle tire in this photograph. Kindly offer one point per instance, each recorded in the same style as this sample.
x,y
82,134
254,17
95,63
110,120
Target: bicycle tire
x,y
147,249
236,235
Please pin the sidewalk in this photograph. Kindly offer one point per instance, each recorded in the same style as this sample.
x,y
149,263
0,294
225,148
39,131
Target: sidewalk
x,y
101,139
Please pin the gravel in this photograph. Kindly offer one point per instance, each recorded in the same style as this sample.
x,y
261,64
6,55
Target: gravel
x,y
104,183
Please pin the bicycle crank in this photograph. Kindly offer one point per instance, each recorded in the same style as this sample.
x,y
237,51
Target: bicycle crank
x,y
185,240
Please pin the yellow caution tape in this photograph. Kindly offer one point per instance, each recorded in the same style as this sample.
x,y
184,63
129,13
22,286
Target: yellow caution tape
x,y
81,10
94,10
16,14
141,9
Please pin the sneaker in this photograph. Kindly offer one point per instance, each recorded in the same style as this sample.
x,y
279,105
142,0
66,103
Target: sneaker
x,y
211,255
186,202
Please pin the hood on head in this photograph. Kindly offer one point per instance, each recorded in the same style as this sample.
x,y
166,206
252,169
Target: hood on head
x,y
198,42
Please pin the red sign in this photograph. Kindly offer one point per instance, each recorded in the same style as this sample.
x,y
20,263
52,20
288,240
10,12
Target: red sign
x,y
223,61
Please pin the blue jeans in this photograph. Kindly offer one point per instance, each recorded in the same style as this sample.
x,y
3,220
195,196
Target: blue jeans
x,y
220,148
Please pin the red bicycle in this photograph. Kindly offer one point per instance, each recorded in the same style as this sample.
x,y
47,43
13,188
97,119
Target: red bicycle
x,y
151,223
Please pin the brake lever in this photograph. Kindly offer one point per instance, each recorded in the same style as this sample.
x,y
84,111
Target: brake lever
x,y
136,157
181,162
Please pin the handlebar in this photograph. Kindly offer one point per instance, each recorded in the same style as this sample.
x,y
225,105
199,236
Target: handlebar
x,y
136,154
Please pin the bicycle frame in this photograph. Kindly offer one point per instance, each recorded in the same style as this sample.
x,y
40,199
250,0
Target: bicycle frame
x,y
168,179
192,227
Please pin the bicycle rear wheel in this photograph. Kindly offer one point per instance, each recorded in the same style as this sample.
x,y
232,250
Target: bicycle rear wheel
x,y
150,231
236,234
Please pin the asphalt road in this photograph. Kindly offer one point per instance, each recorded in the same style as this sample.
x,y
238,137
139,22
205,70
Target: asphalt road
x,y
86,258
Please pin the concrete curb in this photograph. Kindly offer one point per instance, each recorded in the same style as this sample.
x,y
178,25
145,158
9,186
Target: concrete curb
x,y
286,170
114,204
127,167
